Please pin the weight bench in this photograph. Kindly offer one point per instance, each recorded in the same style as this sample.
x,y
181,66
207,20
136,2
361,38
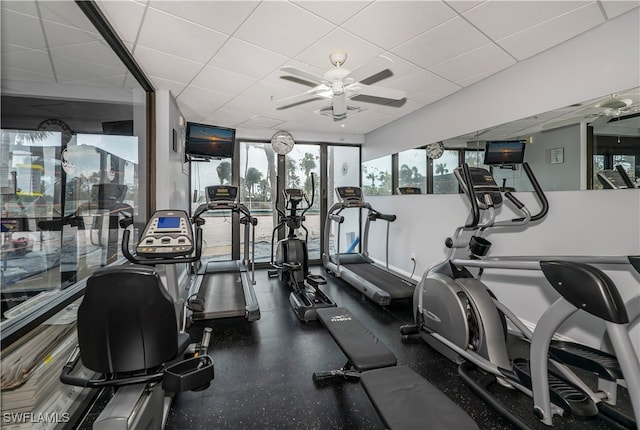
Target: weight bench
x,y
403,399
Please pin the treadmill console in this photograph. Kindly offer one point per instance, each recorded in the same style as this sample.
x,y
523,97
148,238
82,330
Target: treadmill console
x,y
611,179
222,196
483,183
167,234
350,196
293,194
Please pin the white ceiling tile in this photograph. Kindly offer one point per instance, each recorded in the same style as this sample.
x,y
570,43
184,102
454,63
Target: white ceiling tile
x,y
499,19
262,122
615,8
203,96
390,23
23,7
97,52
395,109
282,27
12,74
224,16
124,16
251,106
176,36
247,59
534,40
70,69
359,51
435,93
66,13
336,12
268,92
104,80
218,79
226,118
166,84
61,35
475,78
166,66
442,43
488,59
34,61
419,81
21,30
193,112
366,121
463,5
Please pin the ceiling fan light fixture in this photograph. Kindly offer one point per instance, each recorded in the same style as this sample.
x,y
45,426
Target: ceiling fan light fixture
x,y
338,58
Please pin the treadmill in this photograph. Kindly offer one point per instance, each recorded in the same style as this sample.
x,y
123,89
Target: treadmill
x,y
376,281
615,179
224,289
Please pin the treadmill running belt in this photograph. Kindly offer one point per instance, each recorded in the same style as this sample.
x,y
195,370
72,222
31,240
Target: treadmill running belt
x,y
223,295
396,287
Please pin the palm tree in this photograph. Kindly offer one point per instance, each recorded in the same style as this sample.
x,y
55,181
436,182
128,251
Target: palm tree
x,y
224,172
252,178
292,178
308,163
441,169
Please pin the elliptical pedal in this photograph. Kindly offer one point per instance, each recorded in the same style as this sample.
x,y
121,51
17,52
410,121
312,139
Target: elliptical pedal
x,y
605,365
563,394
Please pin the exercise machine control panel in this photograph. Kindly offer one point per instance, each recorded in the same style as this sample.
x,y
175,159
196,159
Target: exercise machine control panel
x,y
483,184
350,196
222,196
293,195
612,179
167,234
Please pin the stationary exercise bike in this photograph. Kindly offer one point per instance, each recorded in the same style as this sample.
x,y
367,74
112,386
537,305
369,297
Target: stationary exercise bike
x,y
128,330
291,262
461,318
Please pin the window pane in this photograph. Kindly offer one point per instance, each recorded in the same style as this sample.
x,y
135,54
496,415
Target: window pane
x,y
299,164
628,162
216,232
257,188
444,181
343,169
598,166
475,158
412,169
376,177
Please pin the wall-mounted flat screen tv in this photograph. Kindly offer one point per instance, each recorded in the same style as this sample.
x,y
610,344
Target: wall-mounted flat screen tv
x,y
209,141
504,152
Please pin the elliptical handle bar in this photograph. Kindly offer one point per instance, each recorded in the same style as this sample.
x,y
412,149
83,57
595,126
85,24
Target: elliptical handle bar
x,y
475,209
313,195
542,198
281,213
153,261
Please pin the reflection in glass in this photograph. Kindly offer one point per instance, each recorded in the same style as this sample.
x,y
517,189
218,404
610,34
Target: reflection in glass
x,y
376,176
412,169
216,232
257,188
444,181
299,164
343,169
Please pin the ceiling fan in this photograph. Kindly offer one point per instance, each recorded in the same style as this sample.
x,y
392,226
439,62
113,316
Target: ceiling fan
x,y
611,109
339,84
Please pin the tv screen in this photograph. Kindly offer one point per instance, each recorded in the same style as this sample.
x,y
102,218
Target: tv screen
x,y
209,141
504,152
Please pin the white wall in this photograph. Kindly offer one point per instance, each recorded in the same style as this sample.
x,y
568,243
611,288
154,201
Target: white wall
x,y
602,61
578,223
172,183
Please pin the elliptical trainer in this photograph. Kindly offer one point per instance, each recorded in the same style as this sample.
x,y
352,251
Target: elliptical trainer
x,y
462,319
291,262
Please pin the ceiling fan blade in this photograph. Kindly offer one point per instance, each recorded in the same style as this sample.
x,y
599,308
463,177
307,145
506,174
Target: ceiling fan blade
x,y
381,92
339,106
299,98
371,68
302,74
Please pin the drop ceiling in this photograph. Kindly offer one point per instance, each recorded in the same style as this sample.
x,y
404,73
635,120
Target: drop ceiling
x,y
222,59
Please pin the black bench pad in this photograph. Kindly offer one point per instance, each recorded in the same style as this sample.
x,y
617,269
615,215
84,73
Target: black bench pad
x,y
405,400
362,348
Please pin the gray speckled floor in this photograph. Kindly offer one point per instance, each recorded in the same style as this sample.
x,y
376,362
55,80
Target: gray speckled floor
x,y
263,371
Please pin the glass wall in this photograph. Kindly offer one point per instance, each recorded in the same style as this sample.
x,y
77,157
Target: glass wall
x,y
412,169
73,146
300,163
376,177
217,230
257,192
343,169
444,182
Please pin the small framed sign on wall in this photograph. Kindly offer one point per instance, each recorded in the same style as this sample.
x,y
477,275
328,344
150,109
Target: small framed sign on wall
x,y
557,156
